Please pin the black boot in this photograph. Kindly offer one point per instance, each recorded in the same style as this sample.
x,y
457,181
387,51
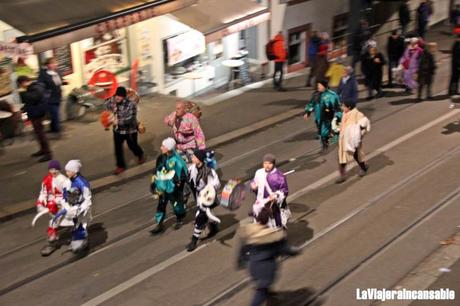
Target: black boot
x,y
192,245
157,229
213,230
363,169
343,174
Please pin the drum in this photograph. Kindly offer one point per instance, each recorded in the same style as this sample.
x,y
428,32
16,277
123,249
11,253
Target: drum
x,y
233,194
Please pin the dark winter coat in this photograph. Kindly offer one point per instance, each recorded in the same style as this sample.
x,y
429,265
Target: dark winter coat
x,y
261,246
33,100
395,48
456,56
404,14
427,68
348,91
373,71
53,92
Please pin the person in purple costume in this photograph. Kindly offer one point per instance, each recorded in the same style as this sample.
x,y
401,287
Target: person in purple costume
x,y
271,187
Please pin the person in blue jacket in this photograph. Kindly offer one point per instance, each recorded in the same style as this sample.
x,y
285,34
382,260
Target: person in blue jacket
x,y
348,87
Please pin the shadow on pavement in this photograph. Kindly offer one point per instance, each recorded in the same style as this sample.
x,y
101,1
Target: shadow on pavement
x,y
296,297
451,128
299,232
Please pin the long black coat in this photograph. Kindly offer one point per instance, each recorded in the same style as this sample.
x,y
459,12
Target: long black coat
x,y
373,71
33,100
53,93
427,68
395,48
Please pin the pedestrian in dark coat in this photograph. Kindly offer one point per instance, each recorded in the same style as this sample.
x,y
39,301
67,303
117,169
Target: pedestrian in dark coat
x,y
313,48
426,70
395,49
404,17
348,87
261,246
372,65
455,68
32,96
423,16
53,92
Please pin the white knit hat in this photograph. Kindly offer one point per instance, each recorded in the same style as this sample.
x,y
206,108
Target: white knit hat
x,y
73,165
169,143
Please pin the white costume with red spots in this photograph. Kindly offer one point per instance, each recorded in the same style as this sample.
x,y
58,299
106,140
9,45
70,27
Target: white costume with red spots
x,y
51,197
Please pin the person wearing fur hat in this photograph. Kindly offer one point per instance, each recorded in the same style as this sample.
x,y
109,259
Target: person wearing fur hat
x,y
271,188
353,127
49,202
325,103
261,245
170,176
79,203
125,127
204,183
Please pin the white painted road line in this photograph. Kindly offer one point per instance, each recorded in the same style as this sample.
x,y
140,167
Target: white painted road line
x,y
184,254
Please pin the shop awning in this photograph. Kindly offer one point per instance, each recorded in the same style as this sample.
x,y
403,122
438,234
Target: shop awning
x,y
49,24
218,18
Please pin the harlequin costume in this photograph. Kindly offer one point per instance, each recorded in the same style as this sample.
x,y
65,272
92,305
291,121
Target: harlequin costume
x,y
204,183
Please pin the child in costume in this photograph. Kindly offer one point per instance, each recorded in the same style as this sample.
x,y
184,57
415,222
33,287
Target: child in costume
x,y
49,202
168,182
271,187
204,183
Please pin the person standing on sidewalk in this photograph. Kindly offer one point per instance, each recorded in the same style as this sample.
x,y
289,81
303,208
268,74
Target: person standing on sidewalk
x,y
372,66
404,17
260,248
395,50
360,36
326,105
204,183
348,87
32,96
426,71
455,68
170,176
53,94
279,50
186,130
313,48
410,63
353,127
335,72
423,16
125,127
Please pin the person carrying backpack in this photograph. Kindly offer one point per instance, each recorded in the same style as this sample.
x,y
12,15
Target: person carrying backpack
x,y
278,55
32,96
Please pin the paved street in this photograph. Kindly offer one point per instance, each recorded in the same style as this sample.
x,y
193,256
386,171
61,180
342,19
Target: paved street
x,y
366,233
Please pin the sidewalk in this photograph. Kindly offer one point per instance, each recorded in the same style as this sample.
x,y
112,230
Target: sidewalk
x,y
225,117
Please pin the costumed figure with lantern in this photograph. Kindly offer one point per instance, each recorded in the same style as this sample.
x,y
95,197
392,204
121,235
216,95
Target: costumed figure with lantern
x,y
50,202
271,187
204,183
168,182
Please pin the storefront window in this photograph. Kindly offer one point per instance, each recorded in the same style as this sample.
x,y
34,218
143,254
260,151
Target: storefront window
x,y
107,51
294,47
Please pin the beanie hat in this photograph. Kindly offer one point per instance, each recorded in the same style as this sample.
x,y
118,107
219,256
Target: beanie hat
x,y
73,165
349,103
54,164
200,154
269,158
121,92
325,83
169,143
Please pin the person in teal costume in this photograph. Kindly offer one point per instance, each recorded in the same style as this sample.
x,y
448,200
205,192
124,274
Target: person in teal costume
x,y
168,182
325,103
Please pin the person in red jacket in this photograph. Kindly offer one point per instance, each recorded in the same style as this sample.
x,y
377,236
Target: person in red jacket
x,y
279,50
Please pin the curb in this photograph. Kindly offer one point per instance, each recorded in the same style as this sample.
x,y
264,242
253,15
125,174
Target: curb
x,y
26,207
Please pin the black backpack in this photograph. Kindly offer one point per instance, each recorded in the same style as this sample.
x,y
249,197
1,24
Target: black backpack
x,y
269,52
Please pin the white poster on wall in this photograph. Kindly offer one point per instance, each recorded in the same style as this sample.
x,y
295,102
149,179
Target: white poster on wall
x,y
184,46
